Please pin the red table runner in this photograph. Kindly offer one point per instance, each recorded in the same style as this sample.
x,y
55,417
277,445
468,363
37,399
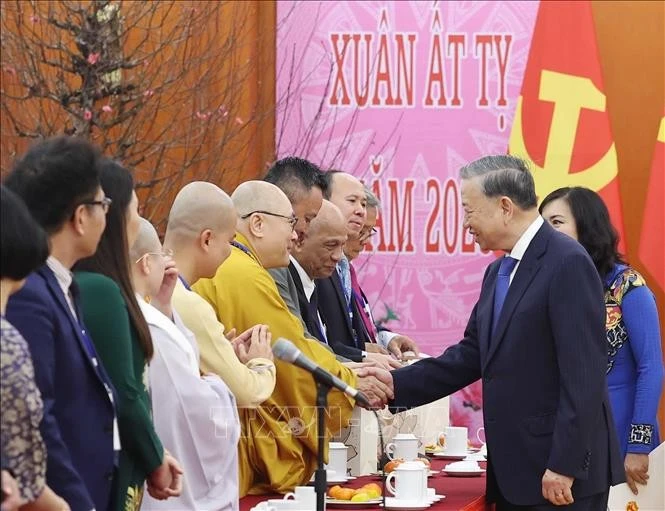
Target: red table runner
x,y
462,493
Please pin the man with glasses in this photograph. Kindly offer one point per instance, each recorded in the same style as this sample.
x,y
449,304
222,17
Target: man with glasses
x,y
59,181
395,343
278,448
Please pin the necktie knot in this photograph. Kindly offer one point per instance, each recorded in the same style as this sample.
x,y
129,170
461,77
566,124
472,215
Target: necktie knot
x,y
507,266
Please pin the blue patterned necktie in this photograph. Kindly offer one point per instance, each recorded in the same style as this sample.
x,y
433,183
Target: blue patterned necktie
x,y
345,277
501,290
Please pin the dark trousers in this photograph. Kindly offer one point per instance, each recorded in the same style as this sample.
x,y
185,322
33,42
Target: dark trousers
x,y
596,502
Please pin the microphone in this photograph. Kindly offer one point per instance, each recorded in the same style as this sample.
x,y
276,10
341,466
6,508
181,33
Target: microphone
x,y
286,351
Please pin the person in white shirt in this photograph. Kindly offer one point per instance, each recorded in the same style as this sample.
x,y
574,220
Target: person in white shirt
x,y
195,415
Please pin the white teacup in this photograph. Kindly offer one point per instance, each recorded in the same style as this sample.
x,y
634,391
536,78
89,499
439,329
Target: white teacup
x,y
404,446
304,496
455,440
410,482
336,467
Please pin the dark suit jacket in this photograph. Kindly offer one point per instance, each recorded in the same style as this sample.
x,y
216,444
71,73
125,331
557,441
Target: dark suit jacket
x,y
334,314
78,414
311,322
545,399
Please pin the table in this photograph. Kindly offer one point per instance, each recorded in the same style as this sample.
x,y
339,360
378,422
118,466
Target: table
x,y
462,493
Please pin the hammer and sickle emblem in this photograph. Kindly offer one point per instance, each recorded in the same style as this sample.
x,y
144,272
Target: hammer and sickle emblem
x,y
569,94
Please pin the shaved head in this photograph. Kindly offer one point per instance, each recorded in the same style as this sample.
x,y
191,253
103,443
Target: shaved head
x,y
260,196
267,220
329,218
322,248
197,207
146,241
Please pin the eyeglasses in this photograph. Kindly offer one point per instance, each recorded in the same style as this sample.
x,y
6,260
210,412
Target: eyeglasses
x,y
367,234
293,219
105,203
168,253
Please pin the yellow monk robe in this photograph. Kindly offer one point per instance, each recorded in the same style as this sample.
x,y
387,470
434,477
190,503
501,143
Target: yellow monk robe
x,y
278,444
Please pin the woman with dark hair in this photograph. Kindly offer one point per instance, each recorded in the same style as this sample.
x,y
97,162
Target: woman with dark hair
x,y
634,365
24,248
122,339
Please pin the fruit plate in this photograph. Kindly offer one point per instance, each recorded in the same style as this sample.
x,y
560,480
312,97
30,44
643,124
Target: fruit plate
x,y
348,503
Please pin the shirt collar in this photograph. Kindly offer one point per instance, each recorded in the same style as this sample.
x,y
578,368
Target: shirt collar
x,y
523,243
62,274
307,282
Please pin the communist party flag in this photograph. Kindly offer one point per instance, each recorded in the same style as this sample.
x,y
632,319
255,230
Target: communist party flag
x,y
561,124
652,239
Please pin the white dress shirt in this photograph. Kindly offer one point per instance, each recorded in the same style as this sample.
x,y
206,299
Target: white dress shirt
x,y
64,278
523,243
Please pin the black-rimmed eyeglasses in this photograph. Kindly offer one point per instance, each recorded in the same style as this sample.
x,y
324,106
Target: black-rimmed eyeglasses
x,y
105,203
367,234
293,219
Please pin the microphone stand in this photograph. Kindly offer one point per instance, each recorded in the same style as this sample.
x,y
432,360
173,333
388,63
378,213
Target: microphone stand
x,y
320,482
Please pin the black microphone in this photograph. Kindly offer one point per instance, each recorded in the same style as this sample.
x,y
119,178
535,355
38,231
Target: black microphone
x,y
286,351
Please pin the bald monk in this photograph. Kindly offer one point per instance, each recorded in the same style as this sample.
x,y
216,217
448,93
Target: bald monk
x,y
195,417
201,226
278,446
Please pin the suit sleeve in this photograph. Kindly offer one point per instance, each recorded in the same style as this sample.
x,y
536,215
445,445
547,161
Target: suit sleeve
x,y
577,315
433,378
107,319
33,317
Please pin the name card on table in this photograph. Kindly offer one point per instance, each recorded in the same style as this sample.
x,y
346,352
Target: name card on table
x,y
362,435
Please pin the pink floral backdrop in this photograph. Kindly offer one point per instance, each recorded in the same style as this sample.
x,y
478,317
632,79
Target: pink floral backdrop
x,y
402,94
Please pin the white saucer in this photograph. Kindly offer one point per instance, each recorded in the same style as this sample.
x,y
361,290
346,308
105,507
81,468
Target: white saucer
x,y
406,505
450,455
330,481
463,473
476,456
430,473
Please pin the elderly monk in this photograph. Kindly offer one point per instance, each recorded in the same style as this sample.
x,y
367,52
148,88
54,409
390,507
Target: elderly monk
x,y
195,416
201,226
278,446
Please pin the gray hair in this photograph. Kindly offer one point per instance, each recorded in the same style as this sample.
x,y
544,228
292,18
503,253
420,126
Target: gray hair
x,y
504,175
372,200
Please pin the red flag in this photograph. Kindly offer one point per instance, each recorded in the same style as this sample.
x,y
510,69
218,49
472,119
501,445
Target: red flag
x,y
561,124
652,239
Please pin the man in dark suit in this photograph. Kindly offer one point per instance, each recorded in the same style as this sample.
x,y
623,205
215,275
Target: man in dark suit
x,y
336,306
536,337
59,181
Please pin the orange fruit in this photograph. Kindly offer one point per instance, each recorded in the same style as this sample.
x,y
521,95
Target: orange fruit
x,y
345,494
334,491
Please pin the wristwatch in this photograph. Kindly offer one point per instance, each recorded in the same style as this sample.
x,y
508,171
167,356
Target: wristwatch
x,y
364,354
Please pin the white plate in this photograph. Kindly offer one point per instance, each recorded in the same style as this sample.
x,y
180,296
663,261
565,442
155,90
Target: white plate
x,y
347,503
334,481
463,473
406,505
430,473
450,456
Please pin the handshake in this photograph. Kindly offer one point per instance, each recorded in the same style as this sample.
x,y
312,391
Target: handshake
x,y
376,383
